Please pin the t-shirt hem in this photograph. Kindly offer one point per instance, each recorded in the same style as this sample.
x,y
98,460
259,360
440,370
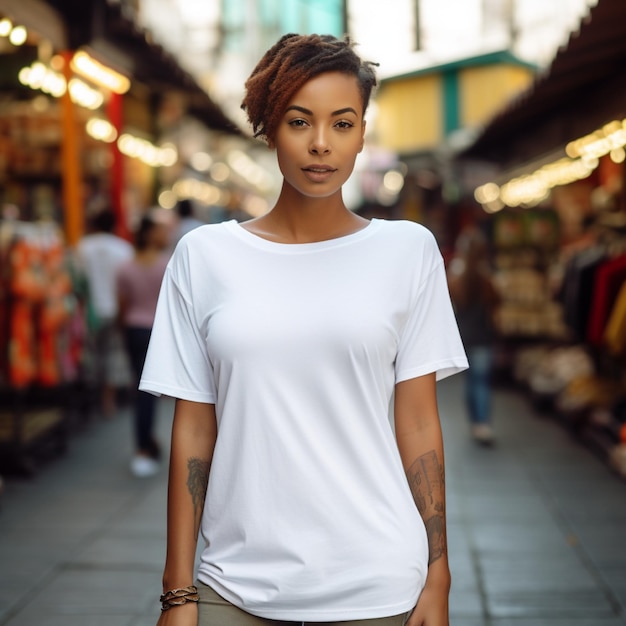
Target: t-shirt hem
x,y
313,615
443,369
158,389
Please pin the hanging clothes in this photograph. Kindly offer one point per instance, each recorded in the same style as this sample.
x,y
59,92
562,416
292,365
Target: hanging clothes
x,y
27,288
38,308
608,280
577,291
615,332
55,313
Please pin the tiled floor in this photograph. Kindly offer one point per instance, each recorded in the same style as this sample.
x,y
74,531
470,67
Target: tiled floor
x,y
535,524
536,529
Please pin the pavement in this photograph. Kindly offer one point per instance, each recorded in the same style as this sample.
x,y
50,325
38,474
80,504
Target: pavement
x,y
537,528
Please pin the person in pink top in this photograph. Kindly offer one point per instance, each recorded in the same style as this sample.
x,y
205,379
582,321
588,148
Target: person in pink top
x,y
138,284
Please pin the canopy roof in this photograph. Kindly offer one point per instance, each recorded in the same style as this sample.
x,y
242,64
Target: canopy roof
x,y
581,90
109,29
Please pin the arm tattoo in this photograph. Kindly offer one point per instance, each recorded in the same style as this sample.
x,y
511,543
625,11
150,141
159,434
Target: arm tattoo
x,y
427,482
197,483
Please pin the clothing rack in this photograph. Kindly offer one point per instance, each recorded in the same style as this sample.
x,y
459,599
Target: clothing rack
x,y
40,343
569,364
593,405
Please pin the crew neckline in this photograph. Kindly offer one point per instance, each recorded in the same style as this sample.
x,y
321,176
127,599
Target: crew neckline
x,y
257,241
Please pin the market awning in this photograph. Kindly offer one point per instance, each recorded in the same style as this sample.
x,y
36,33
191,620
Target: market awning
x,y
581,90
110,31
37,15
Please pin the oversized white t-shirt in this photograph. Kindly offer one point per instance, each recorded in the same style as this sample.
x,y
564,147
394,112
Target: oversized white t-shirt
x,y
308,514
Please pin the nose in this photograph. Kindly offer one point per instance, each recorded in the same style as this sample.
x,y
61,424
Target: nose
x,y
319,142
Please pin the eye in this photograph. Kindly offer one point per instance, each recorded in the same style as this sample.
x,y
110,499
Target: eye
x,y
297,123
344,124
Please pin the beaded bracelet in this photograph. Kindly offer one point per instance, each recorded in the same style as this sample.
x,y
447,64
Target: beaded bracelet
x,y
178,597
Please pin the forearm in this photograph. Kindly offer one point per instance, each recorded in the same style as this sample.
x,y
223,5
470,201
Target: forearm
x,y
193,441
420,443
424,466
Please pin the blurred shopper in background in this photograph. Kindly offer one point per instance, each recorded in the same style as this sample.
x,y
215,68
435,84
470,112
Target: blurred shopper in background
x,y
284,339
138,284
101,253
187,220
475,298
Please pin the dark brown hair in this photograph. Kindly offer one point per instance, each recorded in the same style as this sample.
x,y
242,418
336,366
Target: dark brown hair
x,y
143,231
288,65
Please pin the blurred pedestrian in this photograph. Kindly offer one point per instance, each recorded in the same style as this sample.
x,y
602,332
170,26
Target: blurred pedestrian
x,y
187,219
100,253
138,284
475,299
284,339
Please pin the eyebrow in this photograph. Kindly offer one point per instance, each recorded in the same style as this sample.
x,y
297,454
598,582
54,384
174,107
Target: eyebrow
x,y
295,107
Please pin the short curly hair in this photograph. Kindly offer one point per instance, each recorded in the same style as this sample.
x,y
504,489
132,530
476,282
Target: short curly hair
x,y
288,65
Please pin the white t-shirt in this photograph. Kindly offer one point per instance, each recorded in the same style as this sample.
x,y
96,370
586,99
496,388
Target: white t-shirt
x,y
308,515
102,254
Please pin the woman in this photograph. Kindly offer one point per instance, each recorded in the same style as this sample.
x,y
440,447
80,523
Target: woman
x,y
283,340
138,284
475,300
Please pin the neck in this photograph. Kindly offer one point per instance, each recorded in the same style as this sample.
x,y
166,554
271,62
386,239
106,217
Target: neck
x,y
147,255
299,219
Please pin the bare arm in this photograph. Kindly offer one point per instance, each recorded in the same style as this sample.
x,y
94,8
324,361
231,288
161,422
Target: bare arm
x,y
193,440
420,443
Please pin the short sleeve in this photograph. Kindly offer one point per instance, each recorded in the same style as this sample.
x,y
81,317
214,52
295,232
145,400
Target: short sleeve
x,y
430,341
177,363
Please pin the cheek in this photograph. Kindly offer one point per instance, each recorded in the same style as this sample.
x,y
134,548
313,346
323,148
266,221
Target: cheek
x,y
352,151
285,161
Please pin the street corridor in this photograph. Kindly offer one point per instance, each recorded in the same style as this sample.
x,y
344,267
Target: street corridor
x,y
537,528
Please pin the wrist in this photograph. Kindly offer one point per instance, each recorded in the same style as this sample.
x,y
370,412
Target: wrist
x,y
439,575
176,581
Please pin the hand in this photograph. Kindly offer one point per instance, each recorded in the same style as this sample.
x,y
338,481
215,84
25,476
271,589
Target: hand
x,y
185,615
432,606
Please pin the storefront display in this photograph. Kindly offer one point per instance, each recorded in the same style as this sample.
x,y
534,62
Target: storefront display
x,y
79,131
41,340
562,315
558,206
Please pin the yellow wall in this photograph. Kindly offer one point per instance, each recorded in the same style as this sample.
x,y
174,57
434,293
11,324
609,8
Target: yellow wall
x,y
411,110
485,90
409,113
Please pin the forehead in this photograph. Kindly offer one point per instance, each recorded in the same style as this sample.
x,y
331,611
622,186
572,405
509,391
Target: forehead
x,y
332,90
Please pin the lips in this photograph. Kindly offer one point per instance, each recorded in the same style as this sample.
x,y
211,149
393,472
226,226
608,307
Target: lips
x,y
319,168
318,173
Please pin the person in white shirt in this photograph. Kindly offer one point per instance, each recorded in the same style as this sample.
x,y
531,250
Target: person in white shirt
x,y
303,348
187,220
101,254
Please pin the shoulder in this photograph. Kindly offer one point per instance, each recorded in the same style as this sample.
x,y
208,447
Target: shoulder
x,y
202,235
406,230
87,243
201,249
125,268
118,241
410,237
111,242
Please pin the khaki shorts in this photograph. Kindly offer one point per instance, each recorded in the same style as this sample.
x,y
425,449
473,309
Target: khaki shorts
x,y
213,610
108,362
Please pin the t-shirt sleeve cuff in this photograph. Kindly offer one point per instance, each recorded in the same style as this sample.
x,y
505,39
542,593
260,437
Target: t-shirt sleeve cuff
x,y
158,389
443,369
